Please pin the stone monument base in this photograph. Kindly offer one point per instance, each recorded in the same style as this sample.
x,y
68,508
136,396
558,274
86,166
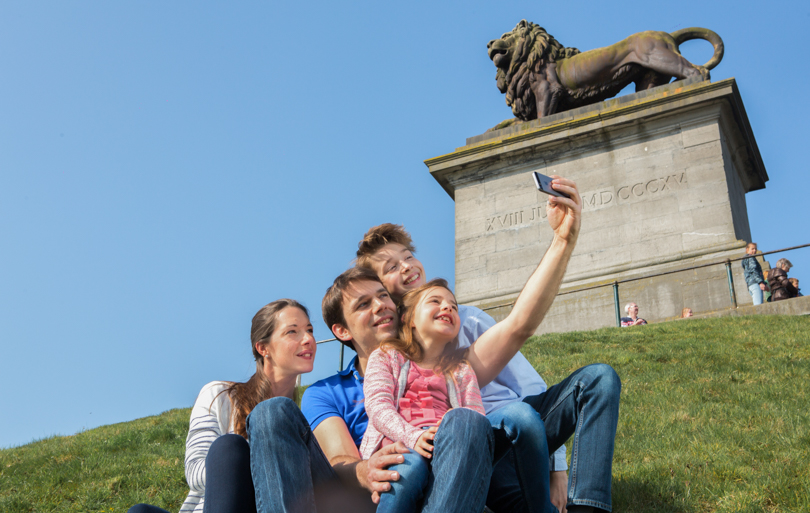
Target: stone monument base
x,y
663,176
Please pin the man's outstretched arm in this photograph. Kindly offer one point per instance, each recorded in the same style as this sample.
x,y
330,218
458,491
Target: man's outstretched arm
x,y
337,444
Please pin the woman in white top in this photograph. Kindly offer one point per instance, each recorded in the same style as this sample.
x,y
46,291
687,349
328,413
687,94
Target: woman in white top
x,y
217,453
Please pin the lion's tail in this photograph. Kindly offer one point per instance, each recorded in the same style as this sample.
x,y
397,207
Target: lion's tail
x,y
688,34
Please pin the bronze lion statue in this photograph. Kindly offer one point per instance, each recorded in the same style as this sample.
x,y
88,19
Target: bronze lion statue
x,y
541,77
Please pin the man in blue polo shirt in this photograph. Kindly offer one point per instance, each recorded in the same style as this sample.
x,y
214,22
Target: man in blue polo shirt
x,y
361,314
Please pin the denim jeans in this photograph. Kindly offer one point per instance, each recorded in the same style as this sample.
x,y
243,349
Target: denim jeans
x,y
407,492
585,405
461,465
520,434
455,479
756,293
290,472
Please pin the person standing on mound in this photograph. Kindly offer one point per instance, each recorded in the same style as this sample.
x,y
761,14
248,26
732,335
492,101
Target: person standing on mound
x,y
753,274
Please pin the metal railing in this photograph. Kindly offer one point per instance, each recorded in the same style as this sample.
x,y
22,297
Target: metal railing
x,y
615,284
342,347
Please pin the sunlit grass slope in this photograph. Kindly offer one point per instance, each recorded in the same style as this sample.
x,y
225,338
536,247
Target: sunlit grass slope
x,y
105,469
714,417
714,413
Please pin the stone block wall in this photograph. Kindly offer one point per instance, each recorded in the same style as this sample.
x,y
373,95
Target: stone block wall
x,y
663,183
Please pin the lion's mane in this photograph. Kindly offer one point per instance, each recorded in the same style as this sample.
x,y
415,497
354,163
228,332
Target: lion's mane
x,y
532,47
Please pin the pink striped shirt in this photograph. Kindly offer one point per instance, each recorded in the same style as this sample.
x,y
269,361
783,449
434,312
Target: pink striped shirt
x,y
385,383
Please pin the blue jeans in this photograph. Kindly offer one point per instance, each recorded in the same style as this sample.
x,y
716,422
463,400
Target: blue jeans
x,y
520,434
290,472
457,476
585,405
407,492
756,293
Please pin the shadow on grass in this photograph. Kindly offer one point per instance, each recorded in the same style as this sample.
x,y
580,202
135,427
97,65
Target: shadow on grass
x,y
635,496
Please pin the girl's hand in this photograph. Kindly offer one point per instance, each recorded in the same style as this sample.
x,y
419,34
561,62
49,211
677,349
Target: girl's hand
x,y
564,214
424,445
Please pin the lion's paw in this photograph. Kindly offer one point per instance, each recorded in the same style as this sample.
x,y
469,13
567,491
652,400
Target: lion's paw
x,y
704,72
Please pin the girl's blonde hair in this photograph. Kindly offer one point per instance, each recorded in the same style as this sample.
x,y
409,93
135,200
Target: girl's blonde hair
x,y
406,343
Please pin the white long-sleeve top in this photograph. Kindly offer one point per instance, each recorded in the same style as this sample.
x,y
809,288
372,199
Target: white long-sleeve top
x,y
210,419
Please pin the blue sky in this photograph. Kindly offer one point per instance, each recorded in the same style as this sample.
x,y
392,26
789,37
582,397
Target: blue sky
x,y
167,168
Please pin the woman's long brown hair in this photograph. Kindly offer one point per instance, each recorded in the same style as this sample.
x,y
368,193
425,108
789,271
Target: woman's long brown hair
x,y
406,343
245,396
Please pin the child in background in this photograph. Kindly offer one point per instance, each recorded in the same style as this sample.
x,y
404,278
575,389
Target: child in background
x,y
795,283
753,274
412,381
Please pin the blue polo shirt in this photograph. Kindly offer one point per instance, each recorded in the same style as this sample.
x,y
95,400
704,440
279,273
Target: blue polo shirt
x,y
341,396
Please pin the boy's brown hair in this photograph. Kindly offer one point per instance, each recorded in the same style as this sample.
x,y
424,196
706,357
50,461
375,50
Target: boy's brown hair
x,y
332,304
749,245
377,237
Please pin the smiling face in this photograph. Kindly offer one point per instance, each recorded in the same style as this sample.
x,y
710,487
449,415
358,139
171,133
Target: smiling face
x,y
435,320
291,347
632,311
398,269
751,249
370,316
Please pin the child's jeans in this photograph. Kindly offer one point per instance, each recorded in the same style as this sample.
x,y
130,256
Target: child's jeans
x,y
406,493
756,293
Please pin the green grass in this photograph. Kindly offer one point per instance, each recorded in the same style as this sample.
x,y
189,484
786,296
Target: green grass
x,y
714,417
101,470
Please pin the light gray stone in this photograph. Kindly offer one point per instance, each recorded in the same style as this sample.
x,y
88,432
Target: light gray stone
x,y
663,180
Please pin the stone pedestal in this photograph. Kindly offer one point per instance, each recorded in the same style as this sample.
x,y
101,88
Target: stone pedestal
x,y
663,175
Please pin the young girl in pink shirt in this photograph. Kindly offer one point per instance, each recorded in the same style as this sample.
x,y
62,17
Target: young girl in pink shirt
x,y
412,381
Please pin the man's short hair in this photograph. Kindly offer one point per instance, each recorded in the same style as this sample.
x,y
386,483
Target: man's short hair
x,y
377,237
332,304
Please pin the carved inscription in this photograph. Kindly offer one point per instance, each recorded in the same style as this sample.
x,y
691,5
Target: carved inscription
x,y
516,218
594,200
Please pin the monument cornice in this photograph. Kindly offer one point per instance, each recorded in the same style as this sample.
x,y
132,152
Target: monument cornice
x,y
484,150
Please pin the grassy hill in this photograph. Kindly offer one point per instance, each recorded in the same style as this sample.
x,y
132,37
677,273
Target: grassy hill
x,y
714,417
